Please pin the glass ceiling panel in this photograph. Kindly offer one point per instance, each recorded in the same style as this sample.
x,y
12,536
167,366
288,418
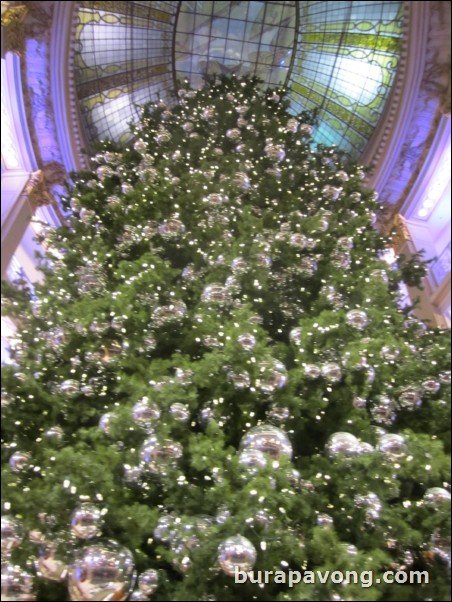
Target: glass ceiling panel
x,y
337,57
241,38
345,65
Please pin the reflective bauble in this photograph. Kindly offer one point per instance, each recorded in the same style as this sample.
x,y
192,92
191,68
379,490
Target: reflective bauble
x,y
410,399
233,134
278,413
240,380
392,445
236,553
332,372
436,496
180,412
162,137
331,193
132,474
145,413
431,386
140,146
51,563
360,403
342,444
148,582
216,294
382,410
444,377
371,504
292,125
275,152
17,585
306,129
208,113
390,353
295,335
246,341
171,228
215,199
357,318
158,455
268,439
311,371
272,376
441,547
165,314
298,240
324,520
11,533
241,180
105,422
86,521
252,459
70,387
101,572
239,265
19,461
164,528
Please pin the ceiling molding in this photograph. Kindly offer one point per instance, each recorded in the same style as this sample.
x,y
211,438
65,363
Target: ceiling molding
x,y
424,103
63,88
386,143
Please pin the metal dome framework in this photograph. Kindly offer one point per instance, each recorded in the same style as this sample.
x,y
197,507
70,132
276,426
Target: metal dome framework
x,y
340,58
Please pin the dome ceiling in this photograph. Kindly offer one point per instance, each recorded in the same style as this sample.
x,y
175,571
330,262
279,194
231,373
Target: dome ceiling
x,y
337,57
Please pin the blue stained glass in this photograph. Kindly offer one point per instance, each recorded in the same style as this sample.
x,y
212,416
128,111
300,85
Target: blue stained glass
x,y
338,57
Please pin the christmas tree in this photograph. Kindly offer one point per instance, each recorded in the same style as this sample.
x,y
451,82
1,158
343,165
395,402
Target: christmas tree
x,y
216,377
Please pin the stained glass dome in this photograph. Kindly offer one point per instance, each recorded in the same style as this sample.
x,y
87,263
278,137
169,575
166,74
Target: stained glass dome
x,y
337,57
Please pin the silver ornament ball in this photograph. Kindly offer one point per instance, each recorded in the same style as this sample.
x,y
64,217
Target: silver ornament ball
x,y
240,380
393,446
70,387
216,294
11,533
19,461
252,459
101,572
86,521
180,412
158,455
382,410
148,582
17,585
331,372
236,553
410,399
272,376
51,564
342,444
324,520
247,341
357,319
145,413
436,496
269,440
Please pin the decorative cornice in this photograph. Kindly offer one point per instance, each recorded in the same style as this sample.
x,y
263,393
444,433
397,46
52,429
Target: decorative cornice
x,y
42,40
426,98
385,145
63,87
